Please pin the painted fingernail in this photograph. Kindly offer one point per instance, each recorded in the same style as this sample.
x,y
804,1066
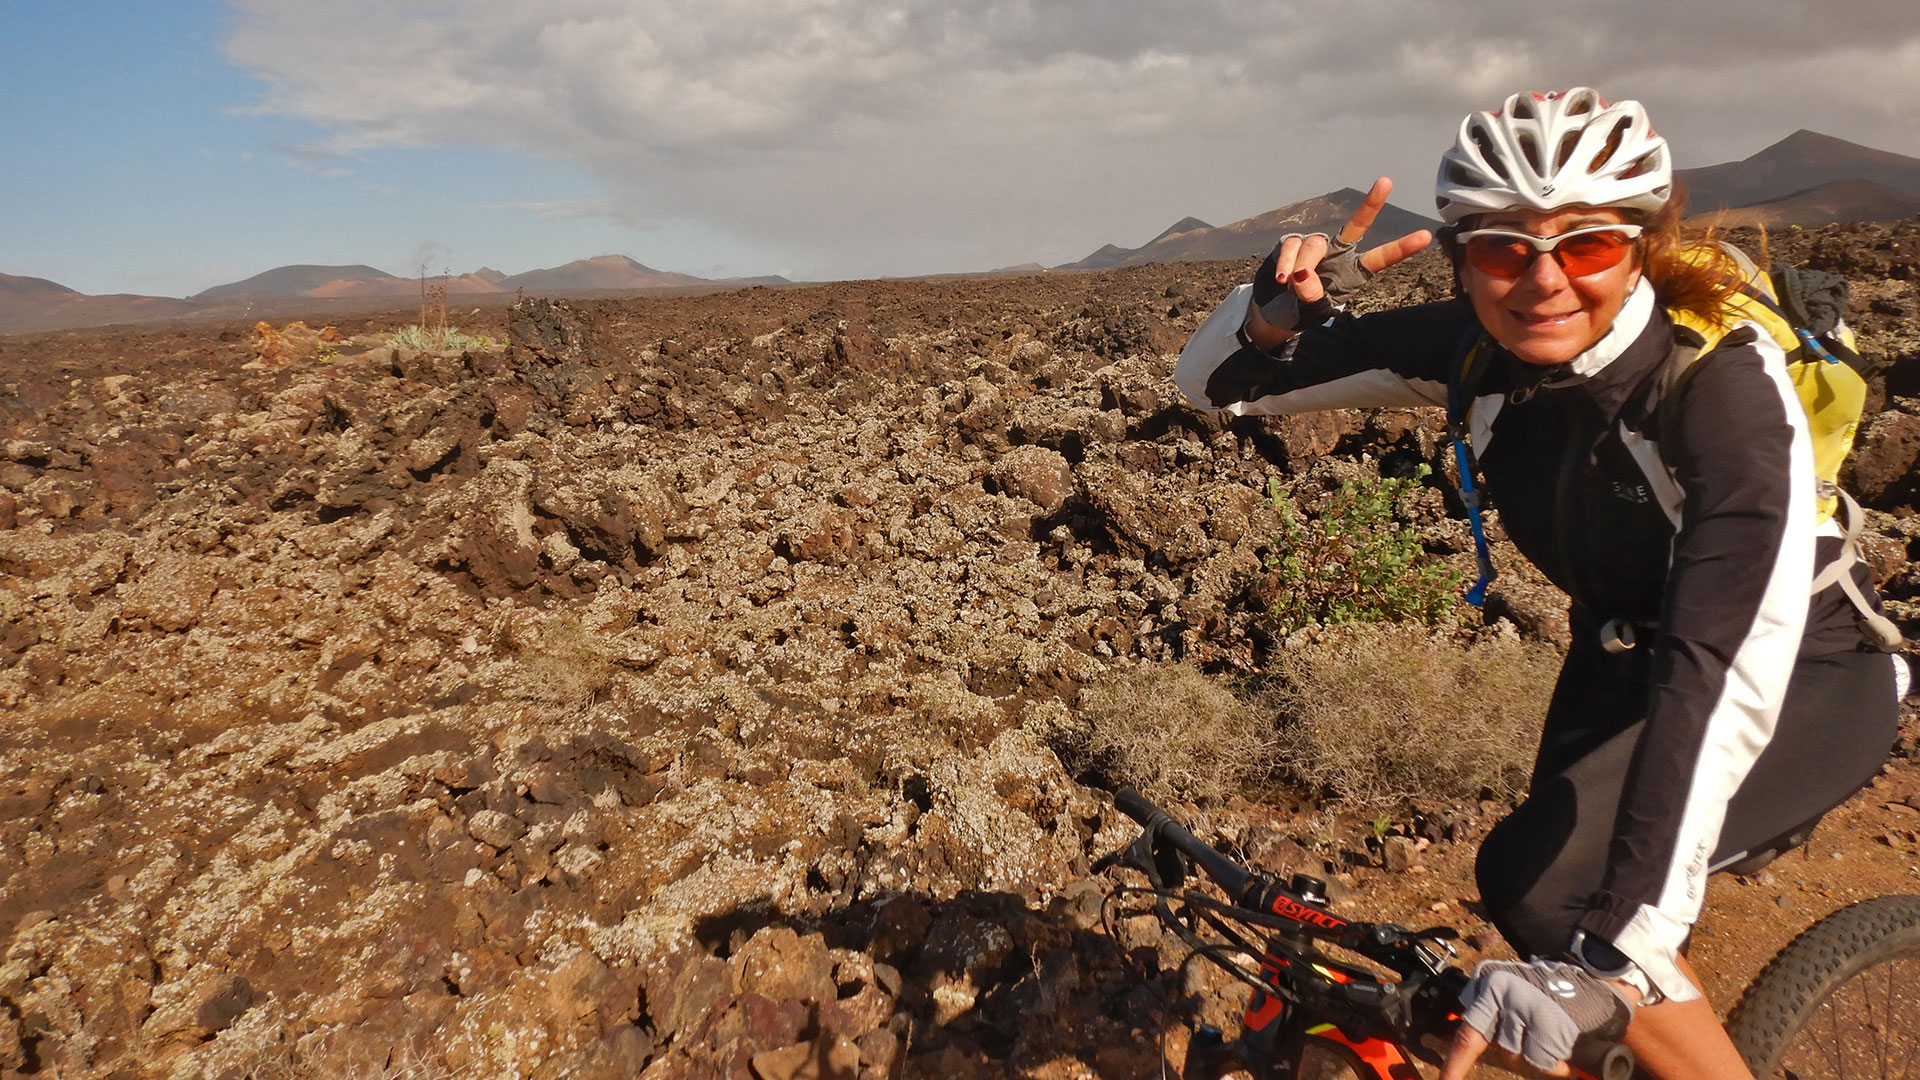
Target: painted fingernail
x,y
1301,275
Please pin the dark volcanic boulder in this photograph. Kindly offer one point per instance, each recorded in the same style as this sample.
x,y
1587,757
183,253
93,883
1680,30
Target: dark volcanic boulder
x,y
1880,472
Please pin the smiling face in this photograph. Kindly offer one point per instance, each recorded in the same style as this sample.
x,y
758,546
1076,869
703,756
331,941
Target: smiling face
x,y
1543,316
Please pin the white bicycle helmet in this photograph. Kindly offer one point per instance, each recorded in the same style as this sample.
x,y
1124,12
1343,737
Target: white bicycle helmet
x,y
1547,151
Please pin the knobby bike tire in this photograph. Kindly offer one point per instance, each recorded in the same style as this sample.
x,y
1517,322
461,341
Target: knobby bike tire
x,y
1841,1000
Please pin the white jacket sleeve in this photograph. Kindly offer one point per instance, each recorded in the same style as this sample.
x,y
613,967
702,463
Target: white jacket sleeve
x,y
1350,363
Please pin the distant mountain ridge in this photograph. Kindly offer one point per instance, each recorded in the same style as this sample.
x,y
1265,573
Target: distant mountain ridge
x,y
1841,200
464,285
10,285
1806,179
29,304
1184,225
1193,240
1802,161
600,273
296,280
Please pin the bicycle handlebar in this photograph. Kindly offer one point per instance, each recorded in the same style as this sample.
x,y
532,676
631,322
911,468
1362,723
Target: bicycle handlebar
x,y
1221,869
1591,1057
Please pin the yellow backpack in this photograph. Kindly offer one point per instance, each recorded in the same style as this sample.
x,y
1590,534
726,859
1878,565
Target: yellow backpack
x,y
1821,354
1800,310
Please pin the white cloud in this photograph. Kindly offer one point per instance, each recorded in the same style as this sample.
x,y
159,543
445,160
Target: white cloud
x,y
907,136
318,160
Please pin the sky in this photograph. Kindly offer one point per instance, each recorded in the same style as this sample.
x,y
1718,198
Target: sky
x,y
167,146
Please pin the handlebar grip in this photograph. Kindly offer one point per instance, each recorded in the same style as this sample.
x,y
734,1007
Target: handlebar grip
x,y
1135,806
1229,874
1601,1060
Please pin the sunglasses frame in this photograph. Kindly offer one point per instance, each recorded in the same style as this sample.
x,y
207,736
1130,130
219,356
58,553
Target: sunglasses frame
x,y
1545,245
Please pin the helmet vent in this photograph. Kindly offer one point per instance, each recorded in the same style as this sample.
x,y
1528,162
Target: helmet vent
x,y
1567,142
1614,138
1647,163
1523,108
1581,105
1457,174
1531,149
1494,159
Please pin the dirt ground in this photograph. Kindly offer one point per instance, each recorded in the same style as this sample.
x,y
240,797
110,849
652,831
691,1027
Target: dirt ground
x,y
685,686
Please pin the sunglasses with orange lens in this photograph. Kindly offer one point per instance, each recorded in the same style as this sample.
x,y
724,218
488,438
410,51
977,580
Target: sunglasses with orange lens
x,y
1504,253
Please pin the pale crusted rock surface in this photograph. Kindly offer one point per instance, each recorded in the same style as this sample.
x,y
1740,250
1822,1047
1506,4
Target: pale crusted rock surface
x,y
669,689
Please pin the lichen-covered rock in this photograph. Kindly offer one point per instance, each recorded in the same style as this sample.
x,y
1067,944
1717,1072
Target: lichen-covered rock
x,y
1035,473
170,594
495,828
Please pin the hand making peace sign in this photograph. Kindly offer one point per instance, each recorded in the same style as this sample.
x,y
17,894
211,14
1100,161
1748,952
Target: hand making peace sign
x,y
1296,257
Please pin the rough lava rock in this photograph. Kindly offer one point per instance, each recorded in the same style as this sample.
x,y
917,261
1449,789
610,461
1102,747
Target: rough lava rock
x,y
669,691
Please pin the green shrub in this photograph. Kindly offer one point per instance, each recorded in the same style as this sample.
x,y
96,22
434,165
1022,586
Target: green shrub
x,y
1357,560
1172,730
446,339
1375,715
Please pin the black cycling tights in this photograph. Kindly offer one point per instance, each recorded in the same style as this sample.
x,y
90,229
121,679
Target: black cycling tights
x,y
1538,867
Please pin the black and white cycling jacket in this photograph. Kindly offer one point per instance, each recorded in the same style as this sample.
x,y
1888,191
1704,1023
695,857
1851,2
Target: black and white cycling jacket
x,y
1708,542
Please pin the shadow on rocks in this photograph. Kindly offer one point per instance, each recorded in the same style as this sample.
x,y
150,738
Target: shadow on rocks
x,y
981,985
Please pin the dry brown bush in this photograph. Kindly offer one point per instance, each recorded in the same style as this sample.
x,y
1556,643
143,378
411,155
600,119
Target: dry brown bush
x,y
567,665
1376,715
1171,730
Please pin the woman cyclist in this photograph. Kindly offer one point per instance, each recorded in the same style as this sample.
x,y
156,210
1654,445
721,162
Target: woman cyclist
x,y
1748,708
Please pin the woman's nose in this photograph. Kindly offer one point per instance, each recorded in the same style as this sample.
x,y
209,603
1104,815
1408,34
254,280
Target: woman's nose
x,y
1546,272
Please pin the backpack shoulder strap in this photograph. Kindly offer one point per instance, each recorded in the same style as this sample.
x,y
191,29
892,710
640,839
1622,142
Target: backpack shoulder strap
x,y
1875,628
1663,400
1472,358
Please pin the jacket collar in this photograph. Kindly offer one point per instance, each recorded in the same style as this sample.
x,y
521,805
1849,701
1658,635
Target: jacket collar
x,y
1626,329
1609,370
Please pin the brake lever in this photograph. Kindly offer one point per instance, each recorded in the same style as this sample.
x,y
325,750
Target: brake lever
x,y
1441,937
1131,855
1161,864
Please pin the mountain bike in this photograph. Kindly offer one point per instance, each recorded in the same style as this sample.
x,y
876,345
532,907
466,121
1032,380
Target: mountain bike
x,y
1841,1000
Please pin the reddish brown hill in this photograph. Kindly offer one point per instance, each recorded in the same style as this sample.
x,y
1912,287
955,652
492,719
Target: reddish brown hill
x,y
401,288
15,286
603,273
29,304
298,280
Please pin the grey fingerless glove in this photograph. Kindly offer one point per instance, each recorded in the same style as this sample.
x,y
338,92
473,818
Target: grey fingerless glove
x,y
1341,271
1276,301
1538,1010
1340,274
